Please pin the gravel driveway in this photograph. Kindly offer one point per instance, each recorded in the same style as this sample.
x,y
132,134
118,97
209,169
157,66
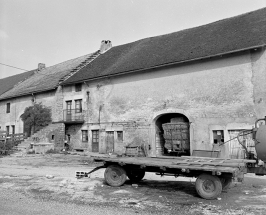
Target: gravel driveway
x,y
47,183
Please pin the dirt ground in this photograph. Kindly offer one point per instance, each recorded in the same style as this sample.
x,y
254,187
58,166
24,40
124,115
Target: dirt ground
x,y
52,177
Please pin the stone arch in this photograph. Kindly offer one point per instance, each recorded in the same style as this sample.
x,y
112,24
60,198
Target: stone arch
x,y
156,132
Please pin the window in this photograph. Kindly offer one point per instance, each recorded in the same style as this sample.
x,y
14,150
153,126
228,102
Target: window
x,y
7,130
95,140
95,136
78,106
8,107
13,129
120,135
78,87
218,136
84,135
68,106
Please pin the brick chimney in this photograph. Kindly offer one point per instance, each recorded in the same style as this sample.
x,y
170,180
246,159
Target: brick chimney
x,y
105,46
41,66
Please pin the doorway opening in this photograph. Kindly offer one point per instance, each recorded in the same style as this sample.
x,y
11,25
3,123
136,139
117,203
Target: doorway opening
x,y
172,135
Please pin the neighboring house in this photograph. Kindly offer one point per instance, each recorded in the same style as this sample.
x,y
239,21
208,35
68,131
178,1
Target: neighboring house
x,y
5,85
41,87
209,79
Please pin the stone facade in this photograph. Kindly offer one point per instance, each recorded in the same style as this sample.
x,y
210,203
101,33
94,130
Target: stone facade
x,y
17,107
53,133
219,94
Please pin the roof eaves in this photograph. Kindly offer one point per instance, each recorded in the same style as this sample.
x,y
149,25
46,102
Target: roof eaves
x,y
166,64
26,94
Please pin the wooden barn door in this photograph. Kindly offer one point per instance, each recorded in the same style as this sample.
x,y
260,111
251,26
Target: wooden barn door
x,y
109,141
236,151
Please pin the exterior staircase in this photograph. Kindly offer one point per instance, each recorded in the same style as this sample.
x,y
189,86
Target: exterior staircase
x,y
53,133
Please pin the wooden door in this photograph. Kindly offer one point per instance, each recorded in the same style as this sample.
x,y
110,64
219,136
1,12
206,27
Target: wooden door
x,y
236,150
95,141
109,142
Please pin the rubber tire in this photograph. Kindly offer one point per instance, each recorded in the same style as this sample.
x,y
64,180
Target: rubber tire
x,y
205,182
135,175
115,175
226,183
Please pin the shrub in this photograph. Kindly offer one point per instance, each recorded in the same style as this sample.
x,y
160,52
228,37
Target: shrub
x,y
36,117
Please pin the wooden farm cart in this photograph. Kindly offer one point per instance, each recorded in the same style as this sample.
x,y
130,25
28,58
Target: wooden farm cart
x,y
213,174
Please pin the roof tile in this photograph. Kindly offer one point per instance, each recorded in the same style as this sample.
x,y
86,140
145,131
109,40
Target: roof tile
x,y
225,36
45,79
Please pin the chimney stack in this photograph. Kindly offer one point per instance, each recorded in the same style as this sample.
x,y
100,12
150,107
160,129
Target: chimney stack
x,y
105,46
41,66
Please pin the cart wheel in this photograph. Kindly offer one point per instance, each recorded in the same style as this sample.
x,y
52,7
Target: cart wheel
x,y
135,175
208,186
226,183
115,175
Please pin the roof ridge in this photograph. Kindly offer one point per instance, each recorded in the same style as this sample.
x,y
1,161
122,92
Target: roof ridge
x,y
84,63
227,36
187,29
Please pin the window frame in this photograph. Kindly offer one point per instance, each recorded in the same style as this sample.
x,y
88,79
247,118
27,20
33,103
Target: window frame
x,y
216,135
13,129
78,87
78,105
69,106
95,136
120,135
8,105
84,136
7,130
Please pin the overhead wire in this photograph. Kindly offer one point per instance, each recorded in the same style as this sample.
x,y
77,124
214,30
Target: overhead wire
x,y
13,67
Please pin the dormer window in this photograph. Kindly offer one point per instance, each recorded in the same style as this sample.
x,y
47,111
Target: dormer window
x,y
78,87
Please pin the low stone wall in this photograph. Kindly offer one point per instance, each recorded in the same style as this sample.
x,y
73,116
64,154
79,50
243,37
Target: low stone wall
x,y
53,133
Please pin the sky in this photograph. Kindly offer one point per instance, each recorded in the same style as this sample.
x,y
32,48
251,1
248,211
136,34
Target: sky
x,y
53,31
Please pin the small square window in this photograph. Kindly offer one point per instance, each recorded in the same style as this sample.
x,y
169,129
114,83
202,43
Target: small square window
x,y
84,136
8,107
120,135
78,87
218,136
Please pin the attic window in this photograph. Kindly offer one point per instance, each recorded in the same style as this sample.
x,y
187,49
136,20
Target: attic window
x,y
218,136
78,87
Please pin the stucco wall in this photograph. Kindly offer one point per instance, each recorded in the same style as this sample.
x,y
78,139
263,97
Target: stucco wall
x,y
259,80
17,107
222,93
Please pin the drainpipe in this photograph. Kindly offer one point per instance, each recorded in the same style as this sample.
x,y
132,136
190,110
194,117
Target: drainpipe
x,y
100,109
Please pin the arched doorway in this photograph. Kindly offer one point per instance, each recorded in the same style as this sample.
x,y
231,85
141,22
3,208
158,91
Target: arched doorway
x,y
172,135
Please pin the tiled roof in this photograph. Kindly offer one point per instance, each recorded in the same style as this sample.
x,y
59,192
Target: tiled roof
x,y
230,35
48,78
9,82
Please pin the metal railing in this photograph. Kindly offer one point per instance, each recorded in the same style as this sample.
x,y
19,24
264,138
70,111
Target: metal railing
x,y
74,115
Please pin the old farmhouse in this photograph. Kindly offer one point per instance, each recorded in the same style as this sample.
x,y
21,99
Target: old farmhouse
x,y
40,86
173,94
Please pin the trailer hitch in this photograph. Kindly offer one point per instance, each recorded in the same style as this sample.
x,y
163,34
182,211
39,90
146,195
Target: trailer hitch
x,y
86,174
